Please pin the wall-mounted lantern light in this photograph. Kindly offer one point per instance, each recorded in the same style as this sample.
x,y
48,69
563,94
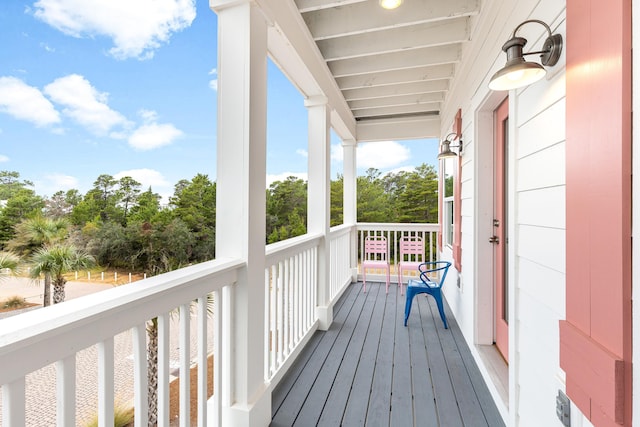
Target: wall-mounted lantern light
x,y
517,72
445,147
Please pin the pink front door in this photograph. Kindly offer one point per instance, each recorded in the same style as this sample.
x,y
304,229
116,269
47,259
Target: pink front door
x,y
500,238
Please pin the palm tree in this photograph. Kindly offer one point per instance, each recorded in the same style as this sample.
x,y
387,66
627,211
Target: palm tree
x,y
56,260
8,261
32,234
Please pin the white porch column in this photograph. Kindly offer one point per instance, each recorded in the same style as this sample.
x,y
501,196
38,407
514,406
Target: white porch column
x,y
241,184
350,198
319,198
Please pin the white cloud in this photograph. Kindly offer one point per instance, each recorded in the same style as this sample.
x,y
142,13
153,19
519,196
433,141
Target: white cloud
x,y
284,175
3,158
84,104
147,177
381,155
54,182
137,28
26,102
302,152
148,116
213,83
150,136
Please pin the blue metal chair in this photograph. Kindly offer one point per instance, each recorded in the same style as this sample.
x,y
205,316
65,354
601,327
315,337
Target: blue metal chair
x,y
426,285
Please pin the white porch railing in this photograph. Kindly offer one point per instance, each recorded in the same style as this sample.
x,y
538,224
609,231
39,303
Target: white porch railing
x,y
57,334
290,295
38,338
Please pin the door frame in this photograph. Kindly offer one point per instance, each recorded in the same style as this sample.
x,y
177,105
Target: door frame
x,y
484,299
501,154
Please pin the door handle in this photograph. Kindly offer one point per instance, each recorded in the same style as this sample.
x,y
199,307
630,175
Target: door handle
x,y
494,239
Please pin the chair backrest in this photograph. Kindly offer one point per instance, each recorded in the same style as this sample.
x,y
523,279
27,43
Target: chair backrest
x,y
375,248
434,268
411,249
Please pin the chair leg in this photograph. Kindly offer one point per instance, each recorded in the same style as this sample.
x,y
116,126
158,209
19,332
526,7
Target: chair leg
x,y
438,298
388,277
407,304
364,280
400,279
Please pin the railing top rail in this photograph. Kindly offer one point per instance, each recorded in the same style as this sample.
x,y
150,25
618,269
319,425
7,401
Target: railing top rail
x,y
384,226
340,229
32,340
282,250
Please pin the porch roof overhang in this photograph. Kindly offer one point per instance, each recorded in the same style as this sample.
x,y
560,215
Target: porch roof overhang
x,y
385,74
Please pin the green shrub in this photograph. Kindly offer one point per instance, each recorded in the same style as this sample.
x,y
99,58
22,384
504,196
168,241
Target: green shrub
x,y
13,302
122,417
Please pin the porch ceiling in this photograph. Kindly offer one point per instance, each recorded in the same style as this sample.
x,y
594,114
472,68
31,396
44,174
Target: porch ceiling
x,y
390,67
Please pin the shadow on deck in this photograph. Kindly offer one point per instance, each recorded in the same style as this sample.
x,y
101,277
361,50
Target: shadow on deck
x,y
369,369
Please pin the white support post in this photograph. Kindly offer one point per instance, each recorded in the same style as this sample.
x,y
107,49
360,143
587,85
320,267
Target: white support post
x,y
13,403
140,381
202,361
105,382
185,366
349,202
164,356
241,185
319,199
66,391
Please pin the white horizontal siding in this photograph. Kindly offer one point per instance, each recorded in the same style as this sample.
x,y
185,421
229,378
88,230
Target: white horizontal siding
x,y
543,207
545,168
543,130
539,214
542,283
544,246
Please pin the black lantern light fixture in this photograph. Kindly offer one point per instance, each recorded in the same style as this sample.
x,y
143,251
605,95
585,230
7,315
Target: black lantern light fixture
x,y
445,147
517,72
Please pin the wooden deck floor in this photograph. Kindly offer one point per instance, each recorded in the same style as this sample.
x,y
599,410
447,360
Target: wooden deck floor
x,y
368,369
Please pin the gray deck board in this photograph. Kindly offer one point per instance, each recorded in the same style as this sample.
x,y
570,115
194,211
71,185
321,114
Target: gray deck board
x,y
356,409
339,394
368,369
380,395
297,395
316,400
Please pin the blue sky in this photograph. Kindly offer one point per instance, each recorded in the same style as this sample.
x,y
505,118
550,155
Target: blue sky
x,y
126,87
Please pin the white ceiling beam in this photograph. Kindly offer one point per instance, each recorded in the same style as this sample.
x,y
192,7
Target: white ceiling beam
x,y
419,74
311,5
396,60
398,128
394,90
396,39
396,101
398,110
364,17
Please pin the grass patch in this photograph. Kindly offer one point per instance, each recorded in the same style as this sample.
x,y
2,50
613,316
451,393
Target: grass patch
x,y
122,417
14,303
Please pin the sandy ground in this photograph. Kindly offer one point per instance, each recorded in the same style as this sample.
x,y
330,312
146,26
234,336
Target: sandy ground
x,y
40,385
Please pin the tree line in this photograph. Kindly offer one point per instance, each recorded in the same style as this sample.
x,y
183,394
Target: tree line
x,y
121,225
